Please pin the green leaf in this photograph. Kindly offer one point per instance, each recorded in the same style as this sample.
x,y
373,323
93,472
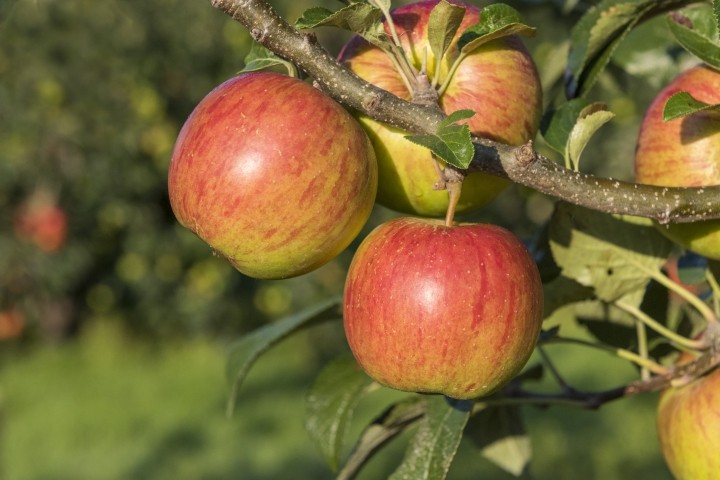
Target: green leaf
x,y
356,17
598,34
500,434
452,142
260,58
591,118
563,291
443,24
496,21
612,254
393,421
435,443
716,17
243,353
702,46
557,125
330,405
682,103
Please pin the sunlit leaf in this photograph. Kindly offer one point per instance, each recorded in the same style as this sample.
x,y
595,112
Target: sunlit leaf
x,y
260,58
500,435
452,142
591,118
435,443
356,17
330,405
611,254
496,21
682,103
243,353
557,125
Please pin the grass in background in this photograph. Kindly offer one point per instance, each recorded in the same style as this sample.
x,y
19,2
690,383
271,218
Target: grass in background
x,y
106,407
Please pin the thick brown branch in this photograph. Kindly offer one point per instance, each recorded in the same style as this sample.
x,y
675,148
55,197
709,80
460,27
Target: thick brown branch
x,y
532,170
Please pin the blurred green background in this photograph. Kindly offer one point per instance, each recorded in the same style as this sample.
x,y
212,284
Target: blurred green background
x,y
114,320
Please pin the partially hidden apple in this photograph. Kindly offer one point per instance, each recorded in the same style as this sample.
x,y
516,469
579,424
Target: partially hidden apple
x,y
273,175
452,310
688,423
684,152
499,81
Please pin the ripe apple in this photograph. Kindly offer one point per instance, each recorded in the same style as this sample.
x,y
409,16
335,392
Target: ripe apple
x,y
273,175
452,310
41,221
499,81
688,422
12,323
684,152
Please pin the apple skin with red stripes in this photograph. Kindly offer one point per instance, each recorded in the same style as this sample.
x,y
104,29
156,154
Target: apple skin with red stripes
x,y
684,152
273,175
451,310
499,81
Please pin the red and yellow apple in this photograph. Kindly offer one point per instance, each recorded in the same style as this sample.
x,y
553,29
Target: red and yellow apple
x,y
273,175
684,152
688,422
41,221
499,81
452,310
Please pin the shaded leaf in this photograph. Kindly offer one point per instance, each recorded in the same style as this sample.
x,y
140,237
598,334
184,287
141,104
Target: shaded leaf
x,y
243,353
435,443
391,423
563,291
443,24
500,435
452,142
704,47
611,254
496,21
557,125
331,402
681,104
599,32
692,268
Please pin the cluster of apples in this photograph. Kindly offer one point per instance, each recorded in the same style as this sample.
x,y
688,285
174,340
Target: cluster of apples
x,y
685,152
279,179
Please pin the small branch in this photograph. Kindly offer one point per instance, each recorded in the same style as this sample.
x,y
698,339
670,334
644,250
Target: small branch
x,y
523,166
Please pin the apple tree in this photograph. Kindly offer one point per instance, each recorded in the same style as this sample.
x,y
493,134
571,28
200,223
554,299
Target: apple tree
x,y
443,108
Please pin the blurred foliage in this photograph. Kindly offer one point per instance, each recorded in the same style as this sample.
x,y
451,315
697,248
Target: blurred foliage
x,y
92,95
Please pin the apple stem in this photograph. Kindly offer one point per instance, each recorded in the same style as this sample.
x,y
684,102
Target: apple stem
x,y
648,321
652,366
454,189
553,370
684,293
641,331
450,73
712,281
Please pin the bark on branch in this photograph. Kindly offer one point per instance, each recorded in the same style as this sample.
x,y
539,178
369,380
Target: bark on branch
x,y
522,165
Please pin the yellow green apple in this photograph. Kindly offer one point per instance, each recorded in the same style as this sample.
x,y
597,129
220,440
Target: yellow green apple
x,y
499,81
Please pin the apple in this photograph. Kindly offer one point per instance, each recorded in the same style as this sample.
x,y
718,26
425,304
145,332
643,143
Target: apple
x,y
452,310
273,175
684,152
688,422
41,221
499,81
12,324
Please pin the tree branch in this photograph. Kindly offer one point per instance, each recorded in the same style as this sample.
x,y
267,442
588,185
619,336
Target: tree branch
x,y
522,164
